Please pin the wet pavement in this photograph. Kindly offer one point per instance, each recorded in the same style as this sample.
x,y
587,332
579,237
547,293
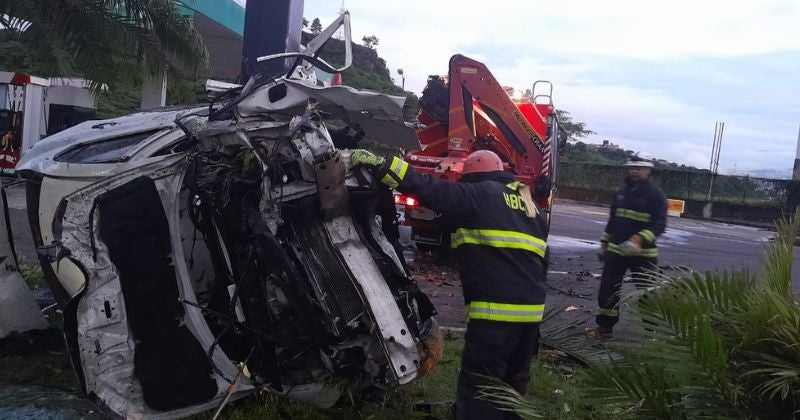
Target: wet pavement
x,y
574,274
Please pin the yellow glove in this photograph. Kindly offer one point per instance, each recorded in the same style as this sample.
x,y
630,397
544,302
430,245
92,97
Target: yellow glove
x,y
365,157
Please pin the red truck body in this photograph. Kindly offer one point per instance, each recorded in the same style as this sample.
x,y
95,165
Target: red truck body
x,y
469,111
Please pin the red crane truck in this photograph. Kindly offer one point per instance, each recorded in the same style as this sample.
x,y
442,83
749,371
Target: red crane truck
x,y
467,111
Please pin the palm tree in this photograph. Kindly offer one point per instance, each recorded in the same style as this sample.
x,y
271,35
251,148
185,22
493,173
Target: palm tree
x,y
106,41
713,345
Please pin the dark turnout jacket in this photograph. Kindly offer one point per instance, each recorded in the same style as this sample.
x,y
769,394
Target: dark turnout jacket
x,y
638,208
500,250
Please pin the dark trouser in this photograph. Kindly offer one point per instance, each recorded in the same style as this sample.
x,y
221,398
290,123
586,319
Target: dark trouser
x,y
611,281
502,350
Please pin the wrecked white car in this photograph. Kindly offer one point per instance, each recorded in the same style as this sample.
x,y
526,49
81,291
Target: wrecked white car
x,y
232,244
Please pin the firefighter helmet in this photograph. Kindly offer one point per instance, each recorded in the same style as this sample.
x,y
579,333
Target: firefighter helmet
x,y
482,161
640,159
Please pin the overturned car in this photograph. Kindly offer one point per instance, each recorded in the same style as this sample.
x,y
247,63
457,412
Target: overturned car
x,y
203,254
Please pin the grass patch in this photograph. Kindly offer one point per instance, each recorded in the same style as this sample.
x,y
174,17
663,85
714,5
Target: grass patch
x,y
32,274
49,368
555,388
438,386
49,364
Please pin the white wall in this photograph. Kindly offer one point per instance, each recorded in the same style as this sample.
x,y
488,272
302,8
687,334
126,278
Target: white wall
x,y
70,95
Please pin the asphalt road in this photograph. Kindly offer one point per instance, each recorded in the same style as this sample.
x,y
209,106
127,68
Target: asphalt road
x,y
685,245
698,244
575,270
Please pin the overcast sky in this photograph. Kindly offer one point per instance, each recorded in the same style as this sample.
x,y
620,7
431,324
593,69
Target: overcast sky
x,y
651,76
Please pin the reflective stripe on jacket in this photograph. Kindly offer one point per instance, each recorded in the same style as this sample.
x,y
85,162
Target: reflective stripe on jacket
x,y
506,312
499,239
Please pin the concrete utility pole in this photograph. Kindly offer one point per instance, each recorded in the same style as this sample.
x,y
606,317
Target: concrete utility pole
x,y
713,168
719,129
796,171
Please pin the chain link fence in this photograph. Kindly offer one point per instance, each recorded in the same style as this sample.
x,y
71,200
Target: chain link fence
x,y
688,184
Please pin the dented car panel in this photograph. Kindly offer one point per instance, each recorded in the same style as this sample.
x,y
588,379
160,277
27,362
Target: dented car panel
x,y
380,116
116,336
47,156
52,178
207,254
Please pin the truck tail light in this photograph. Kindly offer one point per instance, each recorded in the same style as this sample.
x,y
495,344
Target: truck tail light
x,y
405,200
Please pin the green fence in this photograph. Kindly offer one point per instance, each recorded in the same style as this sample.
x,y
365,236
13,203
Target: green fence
x,y
684,184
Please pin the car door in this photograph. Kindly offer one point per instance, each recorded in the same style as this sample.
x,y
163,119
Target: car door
x,y
139,349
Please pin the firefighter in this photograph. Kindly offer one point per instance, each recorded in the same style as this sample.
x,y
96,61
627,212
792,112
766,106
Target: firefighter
x,y
501,251
638,215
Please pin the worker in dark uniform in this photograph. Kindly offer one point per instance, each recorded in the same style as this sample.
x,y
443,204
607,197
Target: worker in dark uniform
x,y
500,247
638,216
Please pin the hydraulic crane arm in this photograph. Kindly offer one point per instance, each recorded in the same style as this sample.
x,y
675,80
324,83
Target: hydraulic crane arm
x,y
470,81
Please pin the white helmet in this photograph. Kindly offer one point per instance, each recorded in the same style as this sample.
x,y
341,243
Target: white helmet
x,y
640,159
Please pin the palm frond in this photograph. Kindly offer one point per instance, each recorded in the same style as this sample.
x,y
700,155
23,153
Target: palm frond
x,y
767,356
680,317
724,290
111,40
566,334
650,386
779,256
506,398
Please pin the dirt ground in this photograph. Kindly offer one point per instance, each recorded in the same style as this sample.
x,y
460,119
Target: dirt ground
x,y
442,284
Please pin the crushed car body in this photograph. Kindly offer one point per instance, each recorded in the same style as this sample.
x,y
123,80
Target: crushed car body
x,y
203,254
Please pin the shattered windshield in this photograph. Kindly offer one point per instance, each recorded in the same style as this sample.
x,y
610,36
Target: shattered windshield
x,y
105,151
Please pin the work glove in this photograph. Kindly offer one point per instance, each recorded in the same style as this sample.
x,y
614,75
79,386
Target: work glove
x,y
365,157
631,247
432,339
601,253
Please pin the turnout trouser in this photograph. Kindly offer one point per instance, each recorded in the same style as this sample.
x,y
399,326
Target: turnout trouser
x,y
502,350
611,282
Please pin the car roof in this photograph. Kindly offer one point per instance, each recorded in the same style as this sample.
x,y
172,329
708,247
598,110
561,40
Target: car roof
x,y
92,131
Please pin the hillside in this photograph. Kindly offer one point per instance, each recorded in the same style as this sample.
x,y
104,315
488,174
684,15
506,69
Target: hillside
x,y
368,71
580,152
